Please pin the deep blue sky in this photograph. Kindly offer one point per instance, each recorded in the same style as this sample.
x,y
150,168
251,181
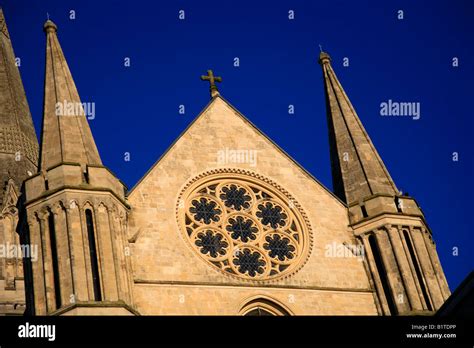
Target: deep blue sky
x,y
404,60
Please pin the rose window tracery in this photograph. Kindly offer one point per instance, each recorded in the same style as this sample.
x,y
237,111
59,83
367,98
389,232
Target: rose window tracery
x,y
235,197
271,214
244,225
211,243
205,210
249,262
242,228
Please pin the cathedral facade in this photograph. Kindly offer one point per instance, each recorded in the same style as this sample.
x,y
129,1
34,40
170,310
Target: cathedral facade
x,y
202,233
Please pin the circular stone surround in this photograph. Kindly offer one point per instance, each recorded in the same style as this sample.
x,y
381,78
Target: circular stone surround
x,y
244,224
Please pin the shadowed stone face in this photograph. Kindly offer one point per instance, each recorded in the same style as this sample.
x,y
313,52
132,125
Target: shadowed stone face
x,y
18,159
18,143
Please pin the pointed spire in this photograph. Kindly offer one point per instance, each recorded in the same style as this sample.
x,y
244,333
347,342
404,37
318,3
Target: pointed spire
x,y
18,142
357,169
66,136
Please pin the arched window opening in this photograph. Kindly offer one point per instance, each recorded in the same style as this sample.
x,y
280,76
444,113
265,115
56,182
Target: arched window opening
x,y
382,274
263,307
417,270
259,312
93,255
54,259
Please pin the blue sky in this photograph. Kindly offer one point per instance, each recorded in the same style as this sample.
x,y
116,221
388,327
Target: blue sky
x,y
407,60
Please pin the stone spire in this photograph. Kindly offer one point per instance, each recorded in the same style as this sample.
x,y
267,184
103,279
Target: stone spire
x,y
18,142
357,169
66,136
75,207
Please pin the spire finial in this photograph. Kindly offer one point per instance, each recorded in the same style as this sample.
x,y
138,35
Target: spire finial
x,y
212,80
320,48
49,26
324,57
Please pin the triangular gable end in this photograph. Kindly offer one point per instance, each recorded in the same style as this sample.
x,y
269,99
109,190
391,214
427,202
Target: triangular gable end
x,y
248,122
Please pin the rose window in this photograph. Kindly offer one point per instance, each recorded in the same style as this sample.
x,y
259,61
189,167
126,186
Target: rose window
x,y
244,225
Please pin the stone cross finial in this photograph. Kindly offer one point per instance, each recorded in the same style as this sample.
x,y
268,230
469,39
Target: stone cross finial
x,y
212,80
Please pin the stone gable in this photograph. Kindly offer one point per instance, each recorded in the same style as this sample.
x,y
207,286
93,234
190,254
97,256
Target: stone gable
x,y
162,257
